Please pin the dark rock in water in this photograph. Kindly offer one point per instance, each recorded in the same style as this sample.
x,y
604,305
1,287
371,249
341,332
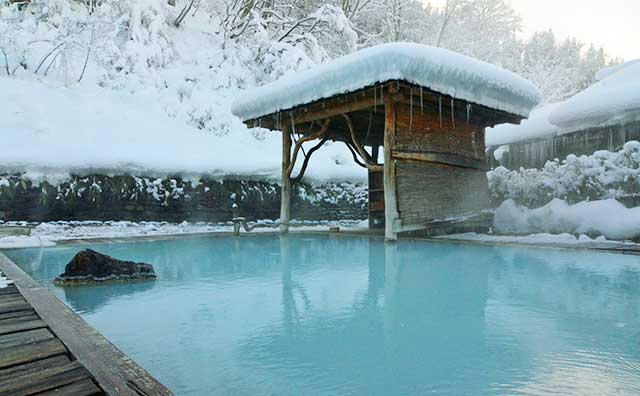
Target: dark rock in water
x,y
89,266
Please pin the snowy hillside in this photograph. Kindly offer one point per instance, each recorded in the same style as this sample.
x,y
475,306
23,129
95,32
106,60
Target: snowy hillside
x,y
87,130
152,99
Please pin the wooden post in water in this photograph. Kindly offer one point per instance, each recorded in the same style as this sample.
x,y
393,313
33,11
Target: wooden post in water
x,y
390,204
285,200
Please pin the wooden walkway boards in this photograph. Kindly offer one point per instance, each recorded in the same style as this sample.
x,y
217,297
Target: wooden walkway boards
x,y
32,358
47,349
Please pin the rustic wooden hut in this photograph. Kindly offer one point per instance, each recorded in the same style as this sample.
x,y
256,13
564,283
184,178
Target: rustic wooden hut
x,y
425,107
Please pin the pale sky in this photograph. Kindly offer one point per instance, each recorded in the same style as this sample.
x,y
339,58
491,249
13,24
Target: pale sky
x,y
615,24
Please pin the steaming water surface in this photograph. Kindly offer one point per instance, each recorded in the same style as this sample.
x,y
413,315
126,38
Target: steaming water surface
x,y
318,315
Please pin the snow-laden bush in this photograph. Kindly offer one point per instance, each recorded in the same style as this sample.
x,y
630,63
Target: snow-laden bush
x,y
602,175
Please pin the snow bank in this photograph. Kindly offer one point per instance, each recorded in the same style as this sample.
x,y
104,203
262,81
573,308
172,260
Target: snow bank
x,y
49,130
47,234
537,126
599,176
613,100
4,282
435,68
564,240
607,217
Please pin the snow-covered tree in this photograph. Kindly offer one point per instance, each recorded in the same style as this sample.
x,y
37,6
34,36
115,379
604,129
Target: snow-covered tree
x,y
560,68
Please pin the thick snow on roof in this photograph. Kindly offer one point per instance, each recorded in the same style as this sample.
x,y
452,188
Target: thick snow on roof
x,y
438,69
613,100
537,126
50,132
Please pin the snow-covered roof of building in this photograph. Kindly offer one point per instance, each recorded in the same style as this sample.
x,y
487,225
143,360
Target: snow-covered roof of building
x,y
537,126
438,69
613,100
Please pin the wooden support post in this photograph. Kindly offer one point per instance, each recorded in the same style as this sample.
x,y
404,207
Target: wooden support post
x,y
390,204
285,200
374,153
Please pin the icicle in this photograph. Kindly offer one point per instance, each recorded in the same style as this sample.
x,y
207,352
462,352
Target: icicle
x,y
375,99
398,84
468,112
410,110
421,102
453,117
440,109
293,123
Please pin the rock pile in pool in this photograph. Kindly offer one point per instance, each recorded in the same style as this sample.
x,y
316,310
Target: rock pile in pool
x,y
89,266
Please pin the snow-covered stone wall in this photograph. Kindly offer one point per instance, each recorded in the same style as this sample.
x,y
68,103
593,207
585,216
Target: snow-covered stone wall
x,y
100,197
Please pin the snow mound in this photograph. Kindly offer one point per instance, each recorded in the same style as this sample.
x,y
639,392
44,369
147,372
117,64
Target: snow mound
x,y
438,69
4,282
537,126
57,131
608,218
567,240
613,100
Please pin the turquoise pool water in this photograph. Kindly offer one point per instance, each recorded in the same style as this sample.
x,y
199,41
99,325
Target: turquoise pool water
x,y
320,315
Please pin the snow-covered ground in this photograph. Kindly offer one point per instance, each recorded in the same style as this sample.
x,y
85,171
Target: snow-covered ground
x,y
47,234
126,92
89,130
4,282
608,218
543,239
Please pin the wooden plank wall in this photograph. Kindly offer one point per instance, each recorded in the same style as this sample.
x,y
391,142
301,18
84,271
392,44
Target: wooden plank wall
x,y
423,133
428,191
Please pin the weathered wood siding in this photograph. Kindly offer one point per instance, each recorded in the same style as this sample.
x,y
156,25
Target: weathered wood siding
x,y
422,132
432,192
429,191
535,153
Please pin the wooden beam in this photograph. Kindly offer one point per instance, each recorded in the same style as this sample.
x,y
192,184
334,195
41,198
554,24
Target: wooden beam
x,y
307,157
325,108
440,158
390,197
285,199
361,151
410,93
321,133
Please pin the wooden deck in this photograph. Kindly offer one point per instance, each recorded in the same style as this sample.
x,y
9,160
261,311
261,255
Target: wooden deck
x,y
47,349
32,358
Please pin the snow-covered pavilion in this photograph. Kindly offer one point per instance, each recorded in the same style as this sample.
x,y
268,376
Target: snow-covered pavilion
x,y
426,107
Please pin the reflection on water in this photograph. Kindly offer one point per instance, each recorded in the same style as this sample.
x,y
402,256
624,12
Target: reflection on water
x,y
319,315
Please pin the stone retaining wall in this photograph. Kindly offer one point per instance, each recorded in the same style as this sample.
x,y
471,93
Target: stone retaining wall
x,y
100,197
